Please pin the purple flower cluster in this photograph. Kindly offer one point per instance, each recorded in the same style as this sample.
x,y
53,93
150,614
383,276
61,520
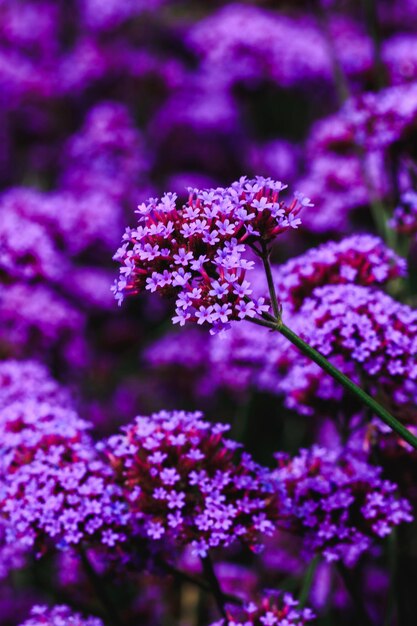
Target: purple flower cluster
x,y
200,252
247,357
404,218
29,380
94,216
338,503
61,615
186,481
247,44
366,326
106,156
54,485
271,610
360,260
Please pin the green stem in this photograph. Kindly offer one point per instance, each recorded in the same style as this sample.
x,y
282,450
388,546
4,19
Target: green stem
x,y
210,574
365,398
99,589
355,593
276,324
268,271
307,582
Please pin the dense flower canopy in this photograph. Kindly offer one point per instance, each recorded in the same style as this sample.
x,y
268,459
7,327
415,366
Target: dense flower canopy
x,y
140,113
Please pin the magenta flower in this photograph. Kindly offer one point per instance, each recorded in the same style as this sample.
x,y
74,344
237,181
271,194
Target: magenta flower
x,y
200,253
58,616
338,503
272,609
187,482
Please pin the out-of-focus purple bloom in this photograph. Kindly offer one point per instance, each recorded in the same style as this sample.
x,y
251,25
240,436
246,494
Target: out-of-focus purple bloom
x,y
275,158
58,616
338,503
272,609
99,15
249,44
359,259
29,380
106,155
36,321
27,251
404,218
75,223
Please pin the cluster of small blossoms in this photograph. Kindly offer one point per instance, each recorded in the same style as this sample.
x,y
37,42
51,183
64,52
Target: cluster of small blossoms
x,y
34,319
106,155
93,216
23,380
272,609
338,503
26,251
404,218
58,616
359,259
199,253
54,485
186,481
247,43
363,325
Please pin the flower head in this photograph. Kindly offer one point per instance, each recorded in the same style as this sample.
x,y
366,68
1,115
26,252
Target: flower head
x,y
272,609
338,503
58,616
200,252
186,481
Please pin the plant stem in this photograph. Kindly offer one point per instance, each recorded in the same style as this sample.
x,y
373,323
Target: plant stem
x,y
307,582
99,589
200,583
335,373
268,271
356,595
213,581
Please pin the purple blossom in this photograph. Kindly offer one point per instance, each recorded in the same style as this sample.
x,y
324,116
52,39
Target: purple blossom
x,y
58,616
338,503
217,213
204,499
270,609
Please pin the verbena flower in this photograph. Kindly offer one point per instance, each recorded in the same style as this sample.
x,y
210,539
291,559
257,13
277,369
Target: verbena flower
x,y
187,482
106,155
29,380
54,485
359,259
200,252
61,615
338,503
404,218
366,326
272,609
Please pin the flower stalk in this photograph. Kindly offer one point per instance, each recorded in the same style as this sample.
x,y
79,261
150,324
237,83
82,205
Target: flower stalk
x,y
276,324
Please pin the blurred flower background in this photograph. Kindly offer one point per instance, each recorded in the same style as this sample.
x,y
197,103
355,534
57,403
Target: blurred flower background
x,y
103,105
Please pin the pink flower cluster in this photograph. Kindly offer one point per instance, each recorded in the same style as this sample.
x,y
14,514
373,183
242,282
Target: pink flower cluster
x,y
58,616
54,485
359,259
187,482
404,218
366,326
338,503
272,609
200,252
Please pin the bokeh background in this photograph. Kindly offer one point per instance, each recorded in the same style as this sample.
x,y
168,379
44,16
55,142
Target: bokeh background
x,y
105,103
